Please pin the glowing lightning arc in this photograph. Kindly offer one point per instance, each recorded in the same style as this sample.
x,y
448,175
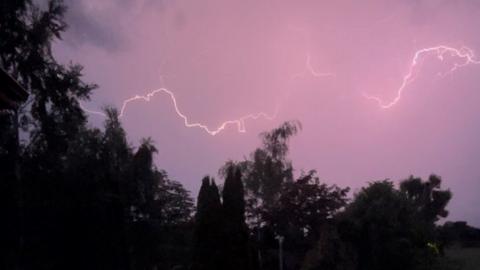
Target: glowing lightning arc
x,y
314,72
311,70
440,51
240,122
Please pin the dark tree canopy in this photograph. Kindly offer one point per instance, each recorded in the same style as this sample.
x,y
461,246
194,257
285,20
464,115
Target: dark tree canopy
x,y
428,199
384,227
207,246
236,247
78,194
308,204
277,205
266,171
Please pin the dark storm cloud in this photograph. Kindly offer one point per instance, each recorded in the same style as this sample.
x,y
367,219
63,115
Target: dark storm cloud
x,y
102,23
99,23
96,29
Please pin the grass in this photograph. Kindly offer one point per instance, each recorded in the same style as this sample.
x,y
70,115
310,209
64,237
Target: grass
x,y
462,258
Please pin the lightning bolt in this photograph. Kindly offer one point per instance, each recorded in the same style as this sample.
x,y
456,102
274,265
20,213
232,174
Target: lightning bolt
x,y
315,73
240,122
311,70
466,54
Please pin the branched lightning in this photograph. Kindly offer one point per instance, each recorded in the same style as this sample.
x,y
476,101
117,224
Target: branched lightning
x,y
240,122
466,54
91,111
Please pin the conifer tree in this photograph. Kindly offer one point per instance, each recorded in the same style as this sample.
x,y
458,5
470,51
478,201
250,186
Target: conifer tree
x,y
235,228
208,223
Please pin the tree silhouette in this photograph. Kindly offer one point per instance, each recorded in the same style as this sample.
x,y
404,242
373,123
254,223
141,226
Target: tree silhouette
x,y
207,246
265,172
393,228
174,201
51,120
235,240
381,225
428,199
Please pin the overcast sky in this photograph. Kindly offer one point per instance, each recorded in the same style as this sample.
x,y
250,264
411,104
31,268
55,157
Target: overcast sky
x,y
225,59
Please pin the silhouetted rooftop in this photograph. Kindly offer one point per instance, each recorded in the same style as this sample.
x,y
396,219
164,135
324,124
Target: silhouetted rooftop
x,y
11,93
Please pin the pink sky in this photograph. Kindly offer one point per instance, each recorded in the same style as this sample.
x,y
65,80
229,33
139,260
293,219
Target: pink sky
x,y
225,59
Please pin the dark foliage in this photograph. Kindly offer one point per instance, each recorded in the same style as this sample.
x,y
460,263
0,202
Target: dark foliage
x,y
207,246
74,197
459,234
384,225
235,241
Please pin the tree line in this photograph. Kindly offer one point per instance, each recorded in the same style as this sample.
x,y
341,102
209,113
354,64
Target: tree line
x,y
78,197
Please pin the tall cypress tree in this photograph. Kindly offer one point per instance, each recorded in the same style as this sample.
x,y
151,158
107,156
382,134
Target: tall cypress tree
x,y
208,222
235,229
